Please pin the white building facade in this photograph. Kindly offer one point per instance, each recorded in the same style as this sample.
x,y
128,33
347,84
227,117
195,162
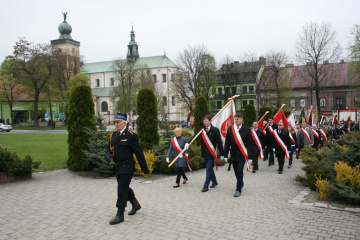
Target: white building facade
x,y
103,80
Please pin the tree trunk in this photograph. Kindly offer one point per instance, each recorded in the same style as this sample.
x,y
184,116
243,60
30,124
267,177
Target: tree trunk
x,y
37,95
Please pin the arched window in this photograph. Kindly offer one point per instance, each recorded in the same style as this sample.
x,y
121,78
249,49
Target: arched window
x,y
104,107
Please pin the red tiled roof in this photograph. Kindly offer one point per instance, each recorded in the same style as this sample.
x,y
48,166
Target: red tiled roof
x,y
299,77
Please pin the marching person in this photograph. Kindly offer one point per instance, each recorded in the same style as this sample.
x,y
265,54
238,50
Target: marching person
x,y
279,150
305,137
265,149
269,142
177,144
237,142
210,138
293,141
256,142
317,137
123,144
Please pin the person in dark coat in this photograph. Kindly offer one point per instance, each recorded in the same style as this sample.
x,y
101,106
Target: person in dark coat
x,y
317,138
237,157
294,143
253,148
181,162
268,141
213,134
279,152
123,144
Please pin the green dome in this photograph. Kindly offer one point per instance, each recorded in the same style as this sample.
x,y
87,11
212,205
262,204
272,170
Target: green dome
x,y
65,30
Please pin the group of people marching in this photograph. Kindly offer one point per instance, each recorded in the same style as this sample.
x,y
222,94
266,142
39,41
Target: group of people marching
x,y
245,144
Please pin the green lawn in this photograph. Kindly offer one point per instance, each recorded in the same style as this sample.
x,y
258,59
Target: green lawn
x,y
50,149
41,128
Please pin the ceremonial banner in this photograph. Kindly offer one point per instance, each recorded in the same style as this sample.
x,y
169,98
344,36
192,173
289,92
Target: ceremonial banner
x,y
224,120
281,116
291,121
310,116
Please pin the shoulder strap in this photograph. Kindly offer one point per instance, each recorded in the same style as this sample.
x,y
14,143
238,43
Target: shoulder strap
x,y
111,147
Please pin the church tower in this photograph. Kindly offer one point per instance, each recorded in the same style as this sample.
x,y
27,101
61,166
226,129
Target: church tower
x,y
68,47
133,49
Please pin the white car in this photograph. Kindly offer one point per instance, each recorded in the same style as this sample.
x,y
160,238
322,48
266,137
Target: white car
x,y
4,127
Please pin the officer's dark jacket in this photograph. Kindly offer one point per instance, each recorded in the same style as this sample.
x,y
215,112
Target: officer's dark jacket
x,y
253,148
231,145
269,138
284,136
124,146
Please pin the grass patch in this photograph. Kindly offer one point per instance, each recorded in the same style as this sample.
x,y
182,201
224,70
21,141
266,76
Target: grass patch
x,y
50,149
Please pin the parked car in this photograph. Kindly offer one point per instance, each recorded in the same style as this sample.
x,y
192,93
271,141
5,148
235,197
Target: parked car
x,y
4,127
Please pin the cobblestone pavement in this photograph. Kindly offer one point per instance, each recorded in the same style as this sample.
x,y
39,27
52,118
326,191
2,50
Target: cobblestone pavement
x,y
63,205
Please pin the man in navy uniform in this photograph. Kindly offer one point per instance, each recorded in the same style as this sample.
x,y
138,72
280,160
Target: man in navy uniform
x,y
123,143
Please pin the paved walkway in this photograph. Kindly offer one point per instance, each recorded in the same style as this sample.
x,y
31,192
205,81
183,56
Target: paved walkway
x,y
64,205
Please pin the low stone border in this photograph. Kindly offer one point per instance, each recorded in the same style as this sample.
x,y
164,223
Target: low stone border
x,y
298,200
5,177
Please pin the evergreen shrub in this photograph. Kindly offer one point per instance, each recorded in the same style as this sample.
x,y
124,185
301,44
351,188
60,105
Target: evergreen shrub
x,y
12,164
81,117
249,114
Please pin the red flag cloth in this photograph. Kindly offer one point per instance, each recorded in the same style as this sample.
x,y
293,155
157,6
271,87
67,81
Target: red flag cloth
x,y
281,116
309,118
261,123
348,120
336,122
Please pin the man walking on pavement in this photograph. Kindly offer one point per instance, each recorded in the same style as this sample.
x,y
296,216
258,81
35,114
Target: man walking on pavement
x,y
237,142
123,144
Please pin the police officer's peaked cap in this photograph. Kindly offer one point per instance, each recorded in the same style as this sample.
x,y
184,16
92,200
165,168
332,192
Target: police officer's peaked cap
x,y
120,116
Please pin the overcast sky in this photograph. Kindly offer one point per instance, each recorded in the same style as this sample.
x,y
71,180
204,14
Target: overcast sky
x,y
226,27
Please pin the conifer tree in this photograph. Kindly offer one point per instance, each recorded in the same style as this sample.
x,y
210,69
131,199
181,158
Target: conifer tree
x,y
200,111
95,153
147,122
249,114
81,117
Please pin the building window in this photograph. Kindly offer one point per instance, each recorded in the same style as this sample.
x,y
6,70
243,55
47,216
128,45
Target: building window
x,y
112,82
339,104
97,82
172,77
104,107
233,90
154,78
227,91
219,91
164,100
173,100
244,103
244,89
251,89
251,102
218,104
164,77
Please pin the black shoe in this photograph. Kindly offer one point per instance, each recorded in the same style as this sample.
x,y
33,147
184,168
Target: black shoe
x,y
280,171
253,171
135,207
213,185
176,185
119,217
184,182
205,189
229,169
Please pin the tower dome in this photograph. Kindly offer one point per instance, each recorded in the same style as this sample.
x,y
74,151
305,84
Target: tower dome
x,y
65,29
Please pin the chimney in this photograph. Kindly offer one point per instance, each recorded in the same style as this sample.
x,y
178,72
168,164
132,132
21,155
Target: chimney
x,y
325,62
289,65
262,61
245,64
342,61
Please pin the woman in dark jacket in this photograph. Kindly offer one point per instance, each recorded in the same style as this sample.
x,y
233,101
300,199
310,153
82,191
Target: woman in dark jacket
x,y
294,146
177,145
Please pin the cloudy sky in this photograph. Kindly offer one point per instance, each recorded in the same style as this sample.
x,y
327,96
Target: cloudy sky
x,y
226,27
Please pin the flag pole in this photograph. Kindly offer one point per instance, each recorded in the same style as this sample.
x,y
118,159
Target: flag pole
x,y
197,135
290,114
316,116
263,116
275,115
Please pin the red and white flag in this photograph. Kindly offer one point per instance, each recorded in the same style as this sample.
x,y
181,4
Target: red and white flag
x,y
281,116
224,120
291,121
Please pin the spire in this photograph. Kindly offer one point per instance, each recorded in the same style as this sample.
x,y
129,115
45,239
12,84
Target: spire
x,y
133,51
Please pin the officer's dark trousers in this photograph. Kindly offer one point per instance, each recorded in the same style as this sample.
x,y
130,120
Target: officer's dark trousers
x,y
125,193
239,173
281,160
271,158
